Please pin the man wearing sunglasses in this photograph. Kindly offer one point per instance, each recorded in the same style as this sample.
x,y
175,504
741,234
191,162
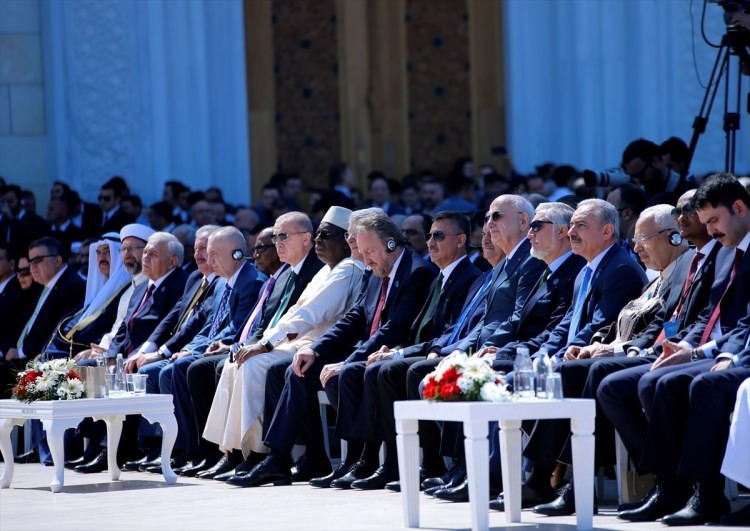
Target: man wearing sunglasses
x,y
365,414
383,316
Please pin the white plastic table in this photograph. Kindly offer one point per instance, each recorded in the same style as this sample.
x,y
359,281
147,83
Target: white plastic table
x,y
59,415
475,417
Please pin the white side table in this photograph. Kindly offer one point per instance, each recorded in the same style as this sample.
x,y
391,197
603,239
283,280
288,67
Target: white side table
x,y
59,415
475,417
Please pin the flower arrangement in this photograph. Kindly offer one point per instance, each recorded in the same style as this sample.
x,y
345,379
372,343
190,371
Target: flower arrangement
x,y
50,380
463,377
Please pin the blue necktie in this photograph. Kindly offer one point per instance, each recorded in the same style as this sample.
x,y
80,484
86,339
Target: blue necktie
x,y
580,300
469,309
221,312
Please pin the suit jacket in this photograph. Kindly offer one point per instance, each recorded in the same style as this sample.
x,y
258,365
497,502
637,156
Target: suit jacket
x,y
696,298
451,301
29,228
310,267
351,334
132,334
166,332
16,306
616,281
118,220
91,220
66,297
515,279
68,236
544,309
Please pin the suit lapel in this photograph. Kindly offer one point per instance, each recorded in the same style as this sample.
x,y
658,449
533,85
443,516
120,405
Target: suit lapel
x,y
402,274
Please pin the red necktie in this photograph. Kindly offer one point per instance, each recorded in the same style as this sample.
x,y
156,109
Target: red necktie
x,y
739,253
379,309
688,282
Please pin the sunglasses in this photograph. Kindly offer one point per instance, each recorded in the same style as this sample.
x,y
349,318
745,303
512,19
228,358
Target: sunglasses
x,y
438,235
687,210
284,236
23,272
409,232
260,248
495,216
39,259
537,224
326,235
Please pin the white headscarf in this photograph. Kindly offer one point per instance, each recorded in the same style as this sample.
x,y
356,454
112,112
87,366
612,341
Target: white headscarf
x,y
98,287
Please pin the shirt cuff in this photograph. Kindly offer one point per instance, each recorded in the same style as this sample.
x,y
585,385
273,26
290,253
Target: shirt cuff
x,y
710,349
619,351
21,355
148,347
165,352
398,354
277,337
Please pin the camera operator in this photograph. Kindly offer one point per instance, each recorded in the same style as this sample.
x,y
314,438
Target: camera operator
x,y
643,162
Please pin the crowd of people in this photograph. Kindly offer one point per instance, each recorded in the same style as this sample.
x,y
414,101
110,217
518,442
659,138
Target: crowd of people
x,y
635,288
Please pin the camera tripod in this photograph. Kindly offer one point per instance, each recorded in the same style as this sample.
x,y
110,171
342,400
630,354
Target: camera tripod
x,y
733,43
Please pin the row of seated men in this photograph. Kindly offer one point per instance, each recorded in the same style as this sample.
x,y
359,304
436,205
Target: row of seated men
x,y
244,350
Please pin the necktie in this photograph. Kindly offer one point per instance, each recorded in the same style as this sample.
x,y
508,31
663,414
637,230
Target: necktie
x,y
221,312
381,302
196,297
469,309
580,301
738,255
288,289
249,324
543,279
33,317
430,311
144,301
685,289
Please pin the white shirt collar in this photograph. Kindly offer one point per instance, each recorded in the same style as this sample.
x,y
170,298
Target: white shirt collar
x,y
159,281
510,254
449,269
598,259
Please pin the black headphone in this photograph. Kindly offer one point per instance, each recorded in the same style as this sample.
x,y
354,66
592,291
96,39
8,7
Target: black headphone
x,y
238,255
675,238
391,244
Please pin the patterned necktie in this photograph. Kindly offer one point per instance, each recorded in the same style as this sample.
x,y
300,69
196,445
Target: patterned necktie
x,y
249,324
543,279
580,302
738,255
430,311
288,289
144,301
30,322
381,302
196,297
221,312
469,309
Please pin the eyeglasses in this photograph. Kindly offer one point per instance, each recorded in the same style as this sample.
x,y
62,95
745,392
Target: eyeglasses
x,y
23,272
408,233
326,235
284,236
131,250
258,249
438,235
348,235
641,239
39,259
687,210
537,224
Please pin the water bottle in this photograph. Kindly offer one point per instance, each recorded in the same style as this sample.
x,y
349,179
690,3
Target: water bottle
x,y
120,384
523,374
542,370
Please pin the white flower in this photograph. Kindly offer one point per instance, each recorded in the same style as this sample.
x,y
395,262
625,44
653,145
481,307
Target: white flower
x,y
492,392
70,389
45,382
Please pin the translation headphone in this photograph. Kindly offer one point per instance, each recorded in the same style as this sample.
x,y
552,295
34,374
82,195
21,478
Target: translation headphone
x,y
238,255
675,238
391,244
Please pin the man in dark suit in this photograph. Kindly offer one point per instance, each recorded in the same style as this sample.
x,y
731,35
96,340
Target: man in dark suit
x,y
28,225
113,217
382,316
365,416
292,237
59,216
660,392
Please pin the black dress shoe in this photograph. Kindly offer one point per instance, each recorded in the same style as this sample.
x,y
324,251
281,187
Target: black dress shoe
x,y
377,480
661,503
263,473
243,468
89,455
308,469
460,492
226,463
529,498
699,511
740,517
324,482
134,466
201,465
175,462
151,462
564,505
32,456
97,465
359,470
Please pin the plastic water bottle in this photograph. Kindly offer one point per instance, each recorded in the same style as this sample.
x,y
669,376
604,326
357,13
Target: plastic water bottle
x,y
120,384
523,374
542,370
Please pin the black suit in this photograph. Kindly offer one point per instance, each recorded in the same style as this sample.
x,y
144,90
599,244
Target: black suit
x,y
16,306
135,330
116,221
91,220
290,400
29,227
68,236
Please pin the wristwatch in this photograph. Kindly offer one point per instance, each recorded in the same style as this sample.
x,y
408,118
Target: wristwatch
x,y
697,354
266,344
